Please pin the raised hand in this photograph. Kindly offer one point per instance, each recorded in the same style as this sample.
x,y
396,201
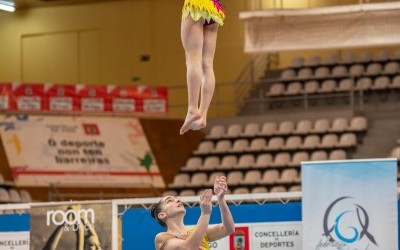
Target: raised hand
x,y
220,186
205,201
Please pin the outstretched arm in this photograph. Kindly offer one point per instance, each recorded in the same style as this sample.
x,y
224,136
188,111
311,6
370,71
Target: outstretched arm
x,y
194,240
227,226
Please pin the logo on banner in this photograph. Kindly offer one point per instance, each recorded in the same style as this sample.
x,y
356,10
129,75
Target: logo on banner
x,y
71,219
239,240
345,226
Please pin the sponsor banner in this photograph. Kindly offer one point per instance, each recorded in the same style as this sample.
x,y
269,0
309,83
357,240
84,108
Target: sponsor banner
x,y
5,95
61,97
92,98
80,227
153,99
51,97
45,150
354,206
122,99
14,231
14,241
28,97
270,226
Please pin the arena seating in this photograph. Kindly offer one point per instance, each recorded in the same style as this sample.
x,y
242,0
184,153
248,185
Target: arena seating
x,y
266,157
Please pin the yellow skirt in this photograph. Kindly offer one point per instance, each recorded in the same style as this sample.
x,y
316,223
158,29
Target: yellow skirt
x,y
206,9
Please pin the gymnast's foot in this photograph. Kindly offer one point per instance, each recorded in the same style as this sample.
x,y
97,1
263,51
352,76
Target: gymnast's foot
x,y
191,117
199,124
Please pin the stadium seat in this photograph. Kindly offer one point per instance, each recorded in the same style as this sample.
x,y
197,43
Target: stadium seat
x,y
270,177
205,147
234,178
391,68
289,176
339,70
303,127
305,73
198,180
329,141
322,72
251,177
259,190
275,143
228,162
278,189
358,123
395,83
288,74
356,70
281,160
193,163
285,128
338,154
339,124
223,146
310,142
251,129
327,86
268,128
319,155
381,83
257,144
210,163
187,192
240,145
241,190
292,143
345,85
311,87
246,161
180,180
364,83
4,195
347,140
321,126
216,132
277,89
234,130
373,69
298,157
263,161
294,88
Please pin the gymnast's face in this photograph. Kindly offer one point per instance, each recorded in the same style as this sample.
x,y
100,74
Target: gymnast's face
x,y
170,206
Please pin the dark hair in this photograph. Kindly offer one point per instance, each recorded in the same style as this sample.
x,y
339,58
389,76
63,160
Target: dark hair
x,y
155,209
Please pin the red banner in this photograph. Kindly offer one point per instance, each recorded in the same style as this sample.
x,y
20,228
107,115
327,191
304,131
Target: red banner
x,y
37,97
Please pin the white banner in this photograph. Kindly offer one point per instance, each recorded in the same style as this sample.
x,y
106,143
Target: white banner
x,y
322,28
14,240
259,236
43,150
350,205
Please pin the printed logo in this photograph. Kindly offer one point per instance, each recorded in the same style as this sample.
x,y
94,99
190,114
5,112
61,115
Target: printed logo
x,y
344,227
71,219
91,129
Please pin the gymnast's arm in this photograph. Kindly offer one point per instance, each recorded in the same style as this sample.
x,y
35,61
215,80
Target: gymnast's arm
x,y
227,227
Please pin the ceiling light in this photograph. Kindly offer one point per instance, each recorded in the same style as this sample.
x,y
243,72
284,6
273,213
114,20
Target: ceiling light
x,y
7,6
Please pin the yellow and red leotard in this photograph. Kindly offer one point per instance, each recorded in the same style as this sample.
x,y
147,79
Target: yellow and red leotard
x,y
210,10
